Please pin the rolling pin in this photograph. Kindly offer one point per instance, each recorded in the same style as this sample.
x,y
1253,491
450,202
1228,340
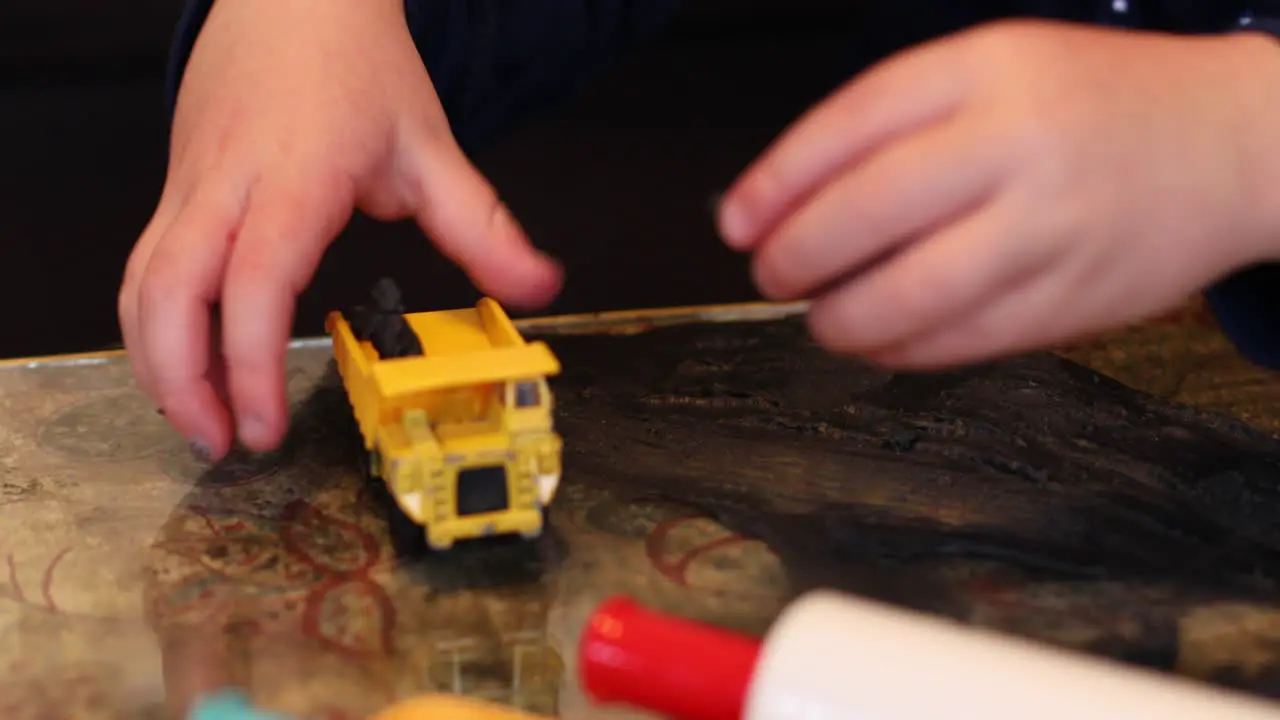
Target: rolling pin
x,y
837,657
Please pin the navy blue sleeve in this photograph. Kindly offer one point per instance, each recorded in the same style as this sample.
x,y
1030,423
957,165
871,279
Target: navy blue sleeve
x,y
494,62
1246,306
1247,303
193,16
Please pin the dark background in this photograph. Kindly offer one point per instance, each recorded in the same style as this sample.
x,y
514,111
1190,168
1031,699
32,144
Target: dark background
x,y
617,183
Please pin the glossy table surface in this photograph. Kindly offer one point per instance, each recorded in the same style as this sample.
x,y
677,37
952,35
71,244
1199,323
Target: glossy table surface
x,y
132,577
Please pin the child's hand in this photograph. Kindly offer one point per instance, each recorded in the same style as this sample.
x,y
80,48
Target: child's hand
x,y
290,113
1016,186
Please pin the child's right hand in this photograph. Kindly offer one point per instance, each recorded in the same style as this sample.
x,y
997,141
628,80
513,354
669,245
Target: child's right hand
x,y
290,114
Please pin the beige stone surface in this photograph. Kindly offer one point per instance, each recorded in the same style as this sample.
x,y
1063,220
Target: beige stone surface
x,y
131,576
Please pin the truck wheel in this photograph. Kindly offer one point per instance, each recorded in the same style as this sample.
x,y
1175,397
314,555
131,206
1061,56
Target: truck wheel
x,y
368,460
363,461
534,535
408,538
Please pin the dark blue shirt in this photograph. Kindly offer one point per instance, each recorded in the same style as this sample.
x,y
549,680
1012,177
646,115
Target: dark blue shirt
x,y
495,61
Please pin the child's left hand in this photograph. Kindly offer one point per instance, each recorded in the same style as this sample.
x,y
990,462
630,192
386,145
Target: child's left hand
x,y
1015,186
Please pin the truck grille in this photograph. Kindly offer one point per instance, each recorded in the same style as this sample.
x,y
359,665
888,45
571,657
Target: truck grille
x,y
482,490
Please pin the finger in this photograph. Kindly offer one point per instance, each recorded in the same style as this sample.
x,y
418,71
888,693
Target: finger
x,y
178,287
1018,320
471,226
195,657
127,299
195,663
893,98
1042,310
929,285
290,221
902,192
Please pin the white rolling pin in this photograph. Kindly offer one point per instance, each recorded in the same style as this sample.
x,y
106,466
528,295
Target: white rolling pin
x,y
838,657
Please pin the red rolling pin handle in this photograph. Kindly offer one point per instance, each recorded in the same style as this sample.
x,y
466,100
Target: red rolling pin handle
x,y
676,668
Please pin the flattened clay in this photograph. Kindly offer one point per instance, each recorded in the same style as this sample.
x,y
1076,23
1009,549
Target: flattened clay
x,y
1032,495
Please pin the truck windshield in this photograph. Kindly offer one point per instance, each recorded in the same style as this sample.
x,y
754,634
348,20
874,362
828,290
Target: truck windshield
x,y
527,395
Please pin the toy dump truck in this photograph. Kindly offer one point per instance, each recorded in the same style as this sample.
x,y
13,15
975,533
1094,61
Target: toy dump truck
x,y
455,415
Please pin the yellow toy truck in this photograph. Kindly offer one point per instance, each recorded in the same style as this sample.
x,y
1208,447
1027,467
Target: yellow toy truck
x,y
455,415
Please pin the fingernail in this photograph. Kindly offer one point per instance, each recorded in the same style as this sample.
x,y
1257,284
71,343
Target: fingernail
x,y
251,429
552,262
201,452
732,225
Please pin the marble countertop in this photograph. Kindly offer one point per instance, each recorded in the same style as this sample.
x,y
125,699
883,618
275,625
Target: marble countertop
x,y
131,577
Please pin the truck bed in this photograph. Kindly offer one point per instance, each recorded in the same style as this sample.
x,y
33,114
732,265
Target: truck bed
x,y
456,332
465,347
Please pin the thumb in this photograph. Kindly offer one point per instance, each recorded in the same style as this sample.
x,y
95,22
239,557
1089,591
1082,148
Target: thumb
x,y
462,214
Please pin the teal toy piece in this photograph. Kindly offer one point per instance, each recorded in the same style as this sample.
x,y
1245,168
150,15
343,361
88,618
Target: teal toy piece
x,y
228,705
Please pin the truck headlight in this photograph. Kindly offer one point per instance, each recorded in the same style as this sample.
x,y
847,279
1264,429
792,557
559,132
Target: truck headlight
x,y
548,463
